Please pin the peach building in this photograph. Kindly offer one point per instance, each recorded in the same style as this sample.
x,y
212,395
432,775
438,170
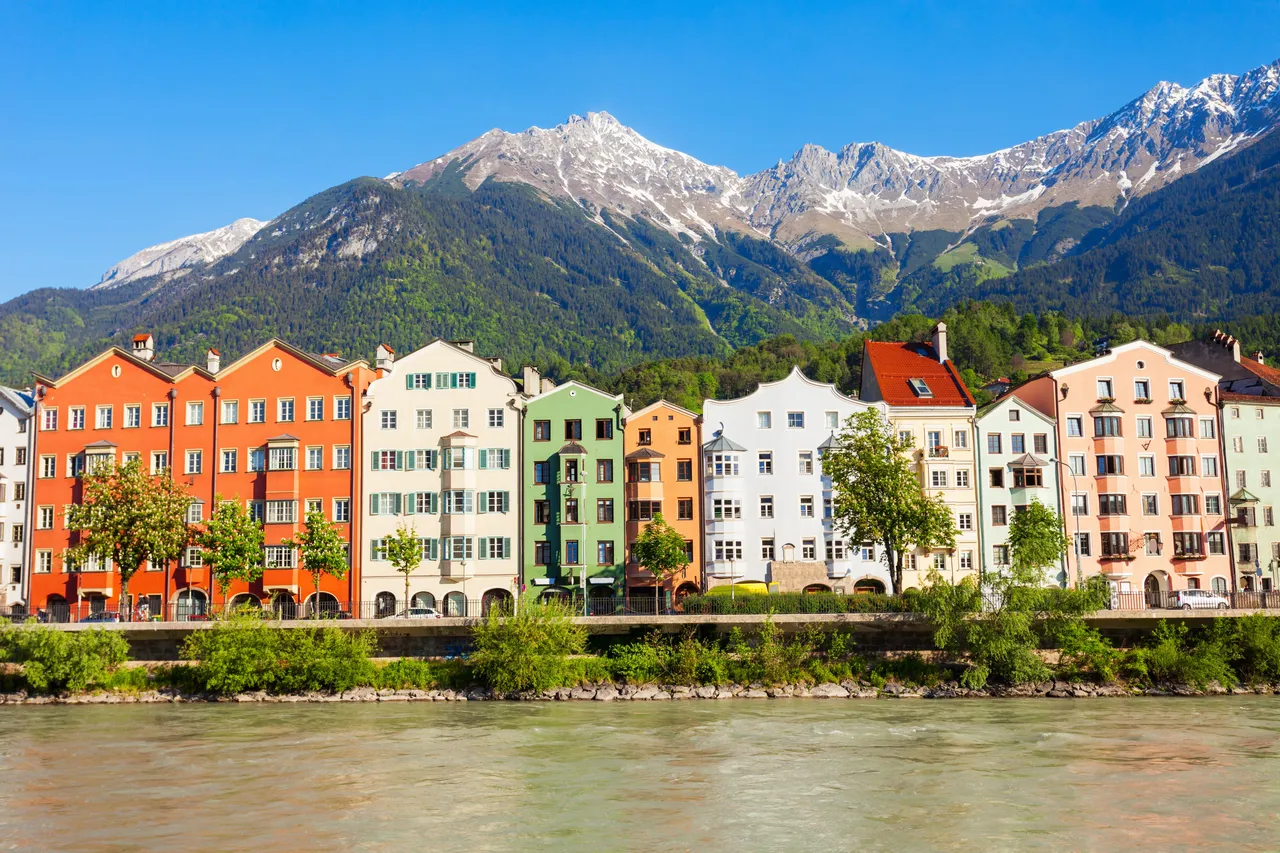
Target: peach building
x,y
1141,465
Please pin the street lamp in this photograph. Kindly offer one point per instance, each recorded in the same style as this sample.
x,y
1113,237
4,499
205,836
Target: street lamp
x,y
1075,543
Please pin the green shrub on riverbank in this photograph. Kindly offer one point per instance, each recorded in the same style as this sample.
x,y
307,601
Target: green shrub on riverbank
x,y
54,661
795,602
527,651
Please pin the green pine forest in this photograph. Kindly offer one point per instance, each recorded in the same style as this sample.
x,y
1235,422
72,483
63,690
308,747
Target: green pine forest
x,y
623,304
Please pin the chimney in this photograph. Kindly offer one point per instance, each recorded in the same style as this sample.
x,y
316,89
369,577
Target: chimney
x,y
532,381
144,347
1257,356
548,385
496,362
469,346
385,360
213,360
940,341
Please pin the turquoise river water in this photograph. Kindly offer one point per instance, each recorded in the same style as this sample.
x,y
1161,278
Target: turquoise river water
x,y
776,775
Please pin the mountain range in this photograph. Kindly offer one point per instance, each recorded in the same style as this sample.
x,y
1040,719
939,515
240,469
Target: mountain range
x,y
588,243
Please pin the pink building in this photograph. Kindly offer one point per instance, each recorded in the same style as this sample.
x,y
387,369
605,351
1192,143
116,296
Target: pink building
x,y
1142,476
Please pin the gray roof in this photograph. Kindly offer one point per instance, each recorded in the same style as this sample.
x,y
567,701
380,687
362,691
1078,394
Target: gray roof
x,y
572,449
1028,460
829,443
720,444
646,453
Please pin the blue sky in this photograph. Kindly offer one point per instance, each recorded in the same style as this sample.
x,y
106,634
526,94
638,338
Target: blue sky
x,y
127,124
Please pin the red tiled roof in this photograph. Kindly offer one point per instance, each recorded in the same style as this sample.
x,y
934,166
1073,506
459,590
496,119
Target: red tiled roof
x,y
1262,371
895,363
139,338
1234,397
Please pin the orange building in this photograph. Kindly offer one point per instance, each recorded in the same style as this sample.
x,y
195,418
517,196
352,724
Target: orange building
x,y
662,444
276,429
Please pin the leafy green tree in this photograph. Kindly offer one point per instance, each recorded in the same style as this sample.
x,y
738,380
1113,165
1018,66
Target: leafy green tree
x,y
528,650
321,551
404,552
878,496
1037,542
660,549
128,516
232,540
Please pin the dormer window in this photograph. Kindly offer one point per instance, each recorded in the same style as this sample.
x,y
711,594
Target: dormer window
x,y
920,388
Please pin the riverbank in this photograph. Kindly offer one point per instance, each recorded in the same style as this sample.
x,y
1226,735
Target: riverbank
x,y
616,692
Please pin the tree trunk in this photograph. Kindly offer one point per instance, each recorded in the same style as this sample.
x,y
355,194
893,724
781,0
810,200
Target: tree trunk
x,y
125,610
406,594
315,607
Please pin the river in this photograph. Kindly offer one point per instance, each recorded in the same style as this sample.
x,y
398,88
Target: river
x,y
775,775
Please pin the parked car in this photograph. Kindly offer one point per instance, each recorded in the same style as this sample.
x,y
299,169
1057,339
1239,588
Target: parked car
x,y
102,616
1189,599
419,613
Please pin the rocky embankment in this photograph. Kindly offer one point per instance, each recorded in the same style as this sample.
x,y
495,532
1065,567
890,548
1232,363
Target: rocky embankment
x,y
630,693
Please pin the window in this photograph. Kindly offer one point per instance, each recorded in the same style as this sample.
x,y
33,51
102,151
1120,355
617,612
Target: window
x,y
315,408
280,557
836,549
571,553
1182,466
684,509
966,561
75,417
1110,465
422,503
646,510
726,508
49,466
805,462
495,458
1235,413
75,464
1185,504
832,420
495,501
1144,428
44,562
1208,466
764,420
1075,464
44,518
341,457
342,408
159,461
1150,504
230,411
1082,544
1141,389
766,506
765,461
604,552
767,548
795,420
962,478
1265,478
257,511
1217,543
282,458
282,512
387,419
1177,390
1207,428
1106,426
1017,443
727,549
49,420
964,521
1213,504
1000,555
458,459
229,458
1041,442
1268,517
940,561
1112,505
722,465
195,461
809,549
542,553
1262,444
573,430
1146,466
1075,426
1187,544
19,491
195,414
1015,415
826,507
284,410
999,515
1178,428
1079,504
496,418
461,418
257,411
993,443
806,507
571,511
938,478
1028,478
542,430
20,455
378,550
996,478
315,458
159,414
541,473
644,472
604,510
1114,544
1105,390
571,473
684,470
604,429
342,509
644,437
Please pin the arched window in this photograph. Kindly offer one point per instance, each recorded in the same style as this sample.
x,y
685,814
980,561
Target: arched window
x,y
424,599
455,604
384,604
495,598
328,606
283,605
244,600
1219,586
192,604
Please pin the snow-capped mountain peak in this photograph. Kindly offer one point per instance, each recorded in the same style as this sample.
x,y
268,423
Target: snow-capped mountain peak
x,y
181,254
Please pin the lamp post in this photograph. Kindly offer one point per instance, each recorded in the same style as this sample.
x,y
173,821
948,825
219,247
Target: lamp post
x,y
1075,543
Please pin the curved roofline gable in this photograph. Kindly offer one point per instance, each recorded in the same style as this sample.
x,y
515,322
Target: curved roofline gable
x,y
1110,357
795,372
453,348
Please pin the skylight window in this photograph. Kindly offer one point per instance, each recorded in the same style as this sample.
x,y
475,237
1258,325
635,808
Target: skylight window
x,y
920,387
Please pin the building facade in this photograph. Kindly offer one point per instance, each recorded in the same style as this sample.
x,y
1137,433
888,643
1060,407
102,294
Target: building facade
x,y
276,429
929,403
663,475
573,526
15,475
442,428
767,502
1144,489
1017,464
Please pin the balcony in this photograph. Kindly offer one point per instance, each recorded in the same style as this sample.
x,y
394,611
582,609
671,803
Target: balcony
x,y
939,452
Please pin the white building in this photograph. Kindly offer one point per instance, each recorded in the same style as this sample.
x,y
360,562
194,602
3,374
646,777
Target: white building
x,y
15,464
442,439
767,502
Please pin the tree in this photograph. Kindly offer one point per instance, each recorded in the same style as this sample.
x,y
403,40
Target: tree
x,y
1037,541
404,551
232,540
878,497
129,517
321,551
660,549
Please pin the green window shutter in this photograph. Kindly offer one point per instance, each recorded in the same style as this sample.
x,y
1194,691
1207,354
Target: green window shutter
x,y
453,380
410,504
484,459
483,498
410,460
433,549
472,377
433,459
433,503
482,546
374,504
373,460
506,548
408,381
399,460
396,502
506,502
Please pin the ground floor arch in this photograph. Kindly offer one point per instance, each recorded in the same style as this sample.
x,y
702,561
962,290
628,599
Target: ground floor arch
x,y
244,599
455,604
283,605
384,604
814,588
324,604
495,598
190,604
1154,587
868,586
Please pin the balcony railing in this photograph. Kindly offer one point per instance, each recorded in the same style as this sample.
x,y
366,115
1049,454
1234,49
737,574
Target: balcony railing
x,y
939,452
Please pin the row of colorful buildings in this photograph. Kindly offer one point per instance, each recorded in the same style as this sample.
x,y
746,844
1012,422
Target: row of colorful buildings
x,y
1157,459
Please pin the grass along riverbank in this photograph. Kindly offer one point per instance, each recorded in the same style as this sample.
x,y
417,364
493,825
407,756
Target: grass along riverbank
x,y
543,653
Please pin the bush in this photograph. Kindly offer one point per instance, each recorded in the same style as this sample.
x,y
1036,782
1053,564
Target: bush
x,y
55,660
795,602
245,653
660,659
769,656
1256,648
527,651
1173,656
1086,654
910,669
413,674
